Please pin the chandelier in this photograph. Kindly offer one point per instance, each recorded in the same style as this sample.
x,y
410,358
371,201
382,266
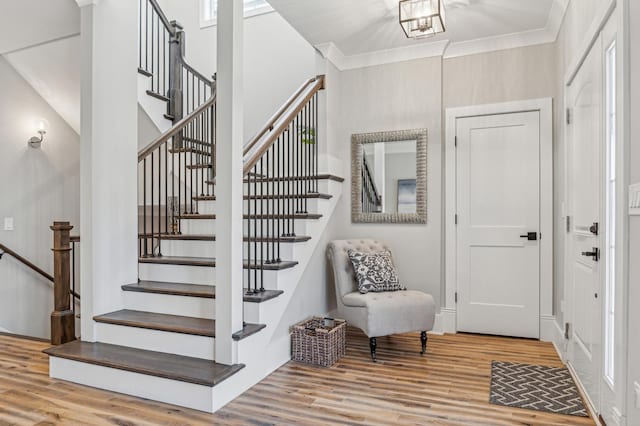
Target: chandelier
x,y
422,18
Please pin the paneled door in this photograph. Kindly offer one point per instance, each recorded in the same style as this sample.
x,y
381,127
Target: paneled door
x,y
498,224
585,159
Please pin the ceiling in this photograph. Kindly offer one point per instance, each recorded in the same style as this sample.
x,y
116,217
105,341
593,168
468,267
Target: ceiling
x,y
53,70
30,22
362,27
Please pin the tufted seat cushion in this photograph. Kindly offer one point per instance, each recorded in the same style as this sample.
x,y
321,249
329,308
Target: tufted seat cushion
x,y
377,314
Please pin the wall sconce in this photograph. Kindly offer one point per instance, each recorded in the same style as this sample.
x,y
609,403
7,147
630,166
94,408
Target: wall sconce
x,y
36,141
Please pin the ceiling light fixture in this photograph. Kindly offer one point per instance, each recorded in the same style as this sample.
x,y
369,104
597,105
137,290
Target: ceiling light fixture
x,y
422,18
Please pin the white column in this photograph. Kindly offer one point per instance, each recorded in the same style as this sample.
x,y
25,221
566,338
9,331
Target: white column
x,y
229,178
108,152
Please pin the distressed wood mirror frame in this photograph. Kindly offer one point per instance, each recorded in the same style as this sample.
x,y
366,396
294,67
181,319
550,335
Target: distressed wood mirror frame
x,y
357,151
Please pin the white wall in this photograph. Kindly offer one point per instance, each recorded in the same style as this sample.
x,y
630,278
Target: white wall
x,y
277,59
633,412
37,186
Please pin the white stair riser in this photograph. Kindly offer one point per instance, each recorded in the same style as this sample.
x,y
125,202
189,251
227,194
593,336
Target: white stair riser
x,y
156,340
198,226
282,206
270,279
323,187
195,248
286,250
170,304
169,391
177,273
269,227
154,107
206,207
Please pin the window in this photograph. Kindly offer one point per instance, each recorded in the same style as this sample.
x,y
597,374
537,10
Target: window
x,y
611,199
209,10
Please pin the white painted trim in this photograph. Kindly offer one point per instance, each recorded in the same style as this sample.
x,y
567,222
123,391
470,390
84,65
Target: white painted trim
x,y
448,49
602,17
445,322
588,403
347,62
550,331
545,107
83,3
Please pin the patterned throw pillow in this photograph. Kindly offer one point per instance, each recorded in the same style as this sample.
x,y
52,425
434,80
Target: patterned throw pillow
x,y
374,271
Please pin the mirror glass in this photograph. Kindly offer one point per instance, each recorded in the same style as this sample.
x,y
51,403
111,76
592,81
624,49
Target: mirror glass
x,y
389,177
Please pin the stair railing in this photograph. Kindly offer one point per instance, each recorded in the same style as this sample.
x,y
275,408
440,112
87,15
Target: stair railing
x,y
177,168
175,171
161,57
371,200
280,169
65,296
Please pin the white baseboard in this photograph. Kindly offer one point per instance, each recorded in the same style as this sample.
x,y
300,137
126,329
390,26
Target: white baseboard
x,y
585,397
550,331
445,322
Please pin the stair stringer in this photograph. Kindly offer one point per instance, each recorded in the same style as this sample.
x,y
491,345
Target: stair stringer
x,y
263,352
154,108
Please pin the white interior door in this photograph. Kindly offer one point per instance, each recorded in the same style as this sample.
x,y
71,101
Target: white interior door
x,y
497,235
585,156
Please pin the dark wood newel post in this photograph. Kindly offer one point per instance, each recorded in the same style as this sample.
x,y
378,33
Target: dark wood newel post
x,y
63,323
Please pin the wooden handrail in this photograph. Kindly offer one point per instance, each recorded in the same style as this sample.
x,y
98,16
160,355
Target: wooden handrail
x,y
255,156
26,262
74,238
269,126
163,17
145,152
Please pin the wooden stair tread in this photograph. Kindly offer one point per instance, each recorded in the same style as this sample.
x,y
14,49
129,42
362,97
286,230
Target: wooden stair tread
x,y
168,366
325,176
284,216
181,237
205,198
199,166
162,322
157,96
189,151
196,216
144,72
271,239
179,260
288,197
174,289
247,330
261,296
278,266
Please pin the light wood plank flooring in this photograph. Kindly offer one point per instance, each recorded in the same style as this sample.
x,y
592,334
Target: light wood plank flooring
x,y
448,386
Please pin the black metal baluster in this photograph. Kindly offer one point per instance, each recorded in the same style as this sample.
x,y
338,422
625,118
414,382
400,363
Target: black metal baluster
x,y
247,206
152,215
282,200
144,206
255,228
146,37
317,140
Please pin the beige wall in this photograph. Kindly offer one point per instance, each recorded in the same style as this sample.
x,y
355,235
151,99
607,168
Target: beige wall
x,y
416,94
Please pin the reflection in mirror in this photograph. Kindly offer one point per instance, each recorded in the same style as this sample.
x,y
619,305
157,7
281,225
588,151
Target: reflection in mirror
x,y
389,177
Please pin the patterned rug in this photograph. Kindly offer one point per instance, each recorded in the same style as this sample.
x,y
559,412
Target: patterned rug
x,y
535,387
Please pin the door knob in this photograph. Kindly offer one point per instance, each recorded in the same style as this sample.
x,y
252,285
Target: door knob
x,y
595,254
531,236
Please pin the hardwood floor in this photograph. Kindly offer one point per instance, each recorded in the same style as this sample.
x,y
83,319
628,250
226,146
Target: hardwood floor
x,y
448,386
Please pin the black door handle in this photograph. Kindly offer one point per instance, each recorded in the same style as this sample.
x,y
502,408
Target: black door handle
x,y
595,254
531,236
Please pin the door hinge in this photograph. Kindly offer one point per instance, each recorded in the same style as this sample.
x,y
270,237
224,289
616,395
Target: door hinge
x,y
456,297
567,328
568,116
455,219
568,222
455,141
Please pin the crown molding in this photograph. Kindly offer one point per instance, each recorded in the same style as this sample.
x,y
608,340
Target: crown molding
x,y
83,3
380,57
447,49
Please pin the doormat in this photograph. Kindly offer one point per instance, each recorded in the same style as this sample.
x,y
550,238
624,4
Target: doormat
x,y
535,387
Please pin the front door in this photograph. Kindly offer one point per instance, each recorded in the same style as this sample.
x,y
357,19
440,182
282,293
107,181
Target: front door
x,y
585,143
498,224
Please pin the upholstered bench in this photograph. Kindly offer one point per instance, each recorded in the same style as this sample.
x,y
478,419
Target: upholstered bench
x,y
382,313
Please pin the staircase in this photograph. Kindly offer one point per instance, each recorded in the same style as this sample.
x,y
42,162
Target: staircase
x,y
161,344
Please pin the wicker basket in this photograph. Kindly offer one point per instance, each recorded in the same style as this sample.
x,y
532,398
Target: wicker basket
x,y
315,343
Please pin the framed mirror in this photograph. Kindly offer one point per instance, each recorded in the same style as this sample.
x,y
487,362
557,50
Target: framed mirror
x,y
389,177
